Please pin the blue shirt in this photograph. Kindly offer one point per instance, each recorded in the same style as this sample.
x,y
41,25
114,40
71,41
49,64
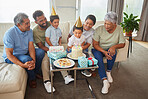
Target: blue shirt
x,y
54,34
18,40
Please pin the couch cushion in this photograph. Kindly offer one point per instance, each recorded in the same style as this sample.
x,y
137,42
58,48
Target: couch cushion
x,y
64,26
1,53
11,77
65,46
3,28
98,23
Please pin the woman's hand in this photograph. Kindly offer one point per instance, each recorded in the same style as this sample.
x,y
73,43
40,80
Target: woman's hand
x,y
111,51
106,53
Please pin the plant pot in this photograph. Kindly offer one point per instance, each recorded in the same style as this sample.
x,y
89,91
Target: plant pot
x,y
129,33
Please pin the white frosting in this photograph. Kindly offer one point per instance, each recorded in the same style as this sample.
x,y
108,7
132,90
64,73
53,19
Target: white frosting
x,y
76,51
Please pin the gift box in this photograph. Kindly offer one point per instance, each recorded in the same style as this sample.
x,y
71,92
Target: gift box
x,y
56,55
92,61
56,49
82,61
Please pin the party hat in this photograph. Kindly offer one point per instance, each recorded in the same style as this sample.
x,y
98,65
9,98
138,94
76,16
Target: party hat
x,y
78,23
53,11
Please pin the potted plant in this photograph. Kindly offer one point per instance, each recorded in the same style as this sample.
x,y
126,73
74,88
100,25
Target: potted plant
x,y
129,24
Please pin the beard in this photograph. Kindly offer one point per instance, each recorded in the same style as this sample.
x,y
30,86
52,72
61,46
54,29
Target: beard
x,y
42,25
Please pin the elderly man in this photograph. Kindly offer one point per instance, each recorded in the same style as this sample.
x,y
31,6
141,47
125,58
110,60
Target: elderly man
x,y
39,39
106,40
19,48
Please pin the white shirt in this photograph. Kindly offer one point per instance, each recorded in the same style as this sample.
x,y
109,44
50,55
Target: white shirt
x,y
76,41
88,34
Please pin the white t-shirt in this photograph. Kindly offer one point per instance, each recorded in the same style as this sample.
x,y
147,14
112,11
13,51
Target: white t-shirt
x,y
76,41
88,34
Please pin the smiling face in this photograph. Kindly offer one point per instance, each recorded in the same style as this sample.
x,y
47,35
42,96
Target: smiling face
x,y
41,21
77,33
55,23
88,24
109,26
25,26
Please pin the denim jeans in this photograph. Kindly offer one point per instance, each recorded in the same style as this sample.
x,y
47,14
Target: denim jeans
x,y
99,56
25,58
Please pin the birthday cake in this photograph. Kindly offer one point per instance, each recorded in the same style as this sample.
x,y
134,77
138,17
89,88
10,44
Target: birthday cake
x,y
76,51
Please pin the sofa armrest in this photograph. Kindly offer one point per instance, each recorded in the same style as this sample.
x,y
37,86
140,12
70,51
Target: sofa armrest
x,y
121,53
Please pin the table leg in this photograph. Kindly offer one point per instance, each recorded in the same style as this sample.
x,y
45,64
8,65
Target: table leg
x,y
74,90
131,44
51,84
128,50
75,71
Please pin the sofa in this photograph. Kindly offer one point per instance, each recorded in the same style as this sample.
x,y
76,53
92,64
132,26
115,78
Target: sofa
x,y
13,78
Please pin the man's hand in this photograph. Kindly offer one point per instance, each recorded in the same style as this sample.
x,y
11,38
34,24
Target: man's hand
x,y
111,51
30,65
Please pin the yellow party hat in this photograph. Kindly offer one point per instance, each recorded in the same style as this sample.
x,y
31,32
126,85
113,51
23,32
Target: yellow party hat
x,y
53,11
78,23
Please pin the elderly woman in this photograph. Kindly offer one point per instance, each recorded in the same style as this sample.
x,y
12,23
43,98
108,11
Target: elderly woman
x,y
88,32
106,40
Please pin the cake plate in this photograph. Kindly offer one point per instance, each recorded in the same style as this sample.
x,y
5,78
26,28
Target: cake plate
x,y
69,56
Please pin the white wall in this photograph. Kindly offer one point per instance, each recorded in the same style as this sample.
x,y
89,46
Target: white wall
x,y
66,9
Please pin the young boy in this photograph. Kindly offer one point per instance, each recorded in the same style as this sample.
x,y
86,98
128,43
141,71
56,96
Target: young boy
x,y
77,38
53,33
53,37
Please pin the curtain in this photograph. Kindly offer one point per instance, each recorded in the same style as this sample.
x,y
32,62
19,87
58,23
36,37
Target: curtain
x,y
116,6
142,34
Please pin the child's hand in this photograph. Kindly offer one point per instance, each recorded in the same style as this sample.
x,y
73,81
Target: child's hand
x,y
68,49
82,47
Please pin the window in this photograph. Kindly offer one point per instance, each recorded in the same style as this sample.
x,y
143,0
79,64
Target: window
x,y
95,7
9,8
132,6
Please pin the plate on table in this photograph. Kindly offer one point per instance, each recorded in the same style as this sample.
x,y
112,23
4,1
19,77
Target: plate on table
x,y
69,56
64,63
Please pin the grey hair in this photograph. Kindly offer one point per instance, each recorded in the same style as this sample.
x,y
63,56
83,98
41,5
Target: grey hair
x,y
111,16
19,18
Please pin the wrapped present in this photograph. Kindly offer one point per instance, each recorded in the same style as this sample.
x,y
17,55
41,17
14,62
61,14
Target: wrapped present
x,y
56,55
56,48
82,61
92,61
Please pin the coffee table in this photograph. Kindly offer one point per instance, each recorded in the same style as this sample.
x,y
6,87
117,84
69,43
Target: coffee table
x,y
74,68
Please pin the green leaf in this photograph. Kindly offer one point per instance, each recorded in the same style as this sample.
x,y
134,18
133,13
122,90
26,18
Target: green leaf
x,y
131,16
125,14
138,20
135,17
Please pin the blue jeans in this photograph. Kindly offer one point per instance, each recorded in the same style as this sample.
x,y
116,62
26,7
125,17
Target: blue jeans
x,y
39,53
99,56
